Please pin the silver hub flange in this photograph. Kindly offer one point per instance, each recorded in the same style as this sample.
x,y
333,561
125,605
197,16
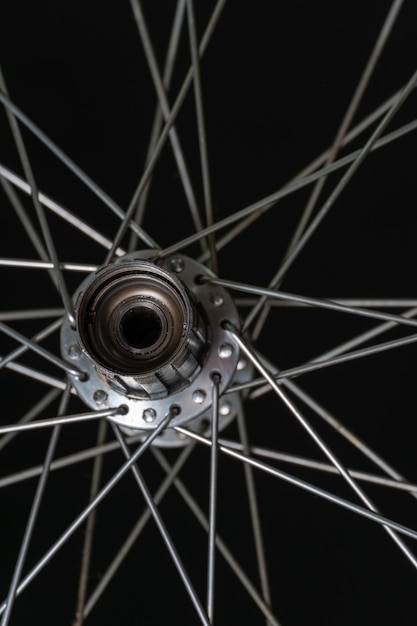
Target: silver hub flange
x,y
150,335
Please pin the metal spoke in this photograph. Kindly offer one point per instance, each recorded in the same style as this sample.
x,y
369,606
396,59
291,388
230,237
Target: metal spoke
x,y
213,498
9,176
27,168
172,473
26,222
46,265
316,163
337,144
304,485
163,531
202,138
358,340
73,371
164,134
36,409
57,421
30,314
17,352
314,302
342,184
351,356
322,445
104,491
158,117
24,547
164,107
40,377
329,355
381,303
89,531
345,432
261,388
352,438
221,546
269,201
65,461
124,550
254,511
75,169
321,466
349,115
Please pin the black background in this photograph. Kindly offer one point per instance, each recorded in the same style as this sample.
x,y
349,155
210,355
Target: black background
x,y
277,79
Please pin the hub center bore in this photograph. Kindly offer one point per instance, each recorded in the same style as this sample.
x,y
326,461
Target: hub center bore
x,y
140,327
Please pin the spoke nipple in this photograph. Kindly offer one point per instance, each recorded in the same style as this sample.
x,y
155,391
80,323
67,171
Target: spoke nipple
x,y
74,351
149,415
100,396
176,265
199,396
225,351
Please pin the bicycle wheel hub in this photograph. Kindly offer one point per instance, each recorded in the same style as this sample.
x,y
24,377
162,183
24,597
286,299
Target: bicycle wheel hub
x,y
150,336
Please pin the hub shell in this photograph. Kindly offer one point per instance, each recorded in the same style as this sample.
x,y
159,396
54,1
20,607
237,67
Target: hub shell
x,y
150,334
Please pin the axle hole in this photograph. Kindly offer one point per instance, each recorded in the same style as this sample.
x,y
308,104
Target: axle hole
x,y
140,327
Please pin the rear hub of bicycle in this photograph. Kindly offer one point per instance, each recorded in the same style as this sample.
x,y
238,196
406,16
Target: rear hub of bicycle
x,y
150,336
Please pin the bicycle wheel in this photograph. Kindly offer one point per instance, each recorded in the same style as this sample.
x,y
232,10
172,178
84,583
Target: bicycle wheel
x,y
302,226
